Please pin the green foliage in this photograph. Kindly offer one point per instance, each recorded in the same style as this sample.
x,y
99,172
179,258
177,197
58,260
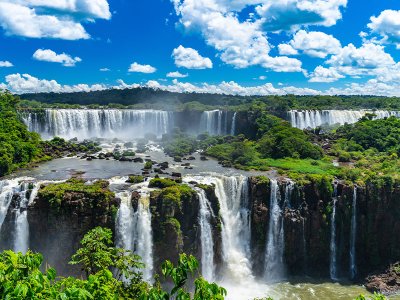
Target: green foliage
x,y
148,165
177,193
187,265
162,183
97,192
376,296
179,143
135,179
18,146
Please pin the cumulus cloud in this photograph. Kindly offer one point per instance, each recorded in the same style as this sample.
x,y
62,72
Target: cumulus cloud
x,y
322,74
177,75
50,56
365,60
387,26
314,43
190,58
138,68
6,64
292,14
239,43
61,19
25,83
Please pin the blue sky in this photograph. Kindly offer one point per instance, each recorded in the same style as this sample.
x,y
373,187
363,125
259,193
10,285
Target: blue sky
x,y
225,46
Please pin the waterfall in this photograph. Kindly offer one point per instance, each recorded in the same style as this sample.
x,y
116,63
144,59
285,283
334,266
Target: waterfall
x,y
231,193
333,258
134,230
353,235
233,126
214,122
207,243
89,123
274,266
303,119
7,190
288,193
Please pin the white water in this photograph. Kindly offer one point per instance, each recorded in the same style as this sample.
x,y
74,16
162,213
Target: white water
x,y
233,127
207,243
289,187
133,228
333,254
105,123
353,236
274,266
313,118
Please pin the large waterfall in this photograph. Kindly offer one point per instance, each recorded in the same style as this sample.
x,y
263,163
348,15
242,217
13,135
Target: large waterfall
x,y
274,266
313,118
353,236
333,254
207,243
133,227
106,123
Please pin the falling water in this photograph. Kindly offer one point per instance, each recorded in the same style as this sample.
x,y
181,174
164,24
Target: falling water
x,y
207,243
88,123
313,118
7,190
214,122
233,126
274,266
353,235
288,193
333,264
134,230
231,193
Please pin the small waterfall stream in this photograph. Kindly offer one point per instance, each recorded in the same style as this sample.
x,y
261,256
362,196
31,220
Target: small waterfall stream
x,y
333,254
134,230
233,126
7,189
353,236
235,227
207,243
274,266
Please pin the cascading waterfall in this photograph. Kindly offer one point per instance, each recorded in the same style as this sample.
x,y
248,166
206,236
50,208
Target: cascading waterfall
x,y
89,123
21,235
288,193
353,236
7,190
231,192
233,126
274,266
333,258
214,122
207,243
303,119
134,230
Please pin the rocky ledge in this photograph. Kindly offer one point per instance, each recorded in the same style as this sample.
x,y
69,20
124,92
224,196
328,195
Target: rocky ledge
x,y
387,283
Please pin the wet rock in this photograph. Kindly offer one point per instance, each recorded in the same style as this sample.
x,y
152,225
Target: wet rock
x,y
185,165
138,160
176,174
387,283
191,158
203,158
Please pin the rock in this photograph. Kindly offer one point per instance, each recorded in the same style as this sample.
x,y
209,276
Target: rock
x,y
89,158
185,165
164,165
158,170
191,158
138,160
177,159
387,283
203,158
124,158
75,139
176,174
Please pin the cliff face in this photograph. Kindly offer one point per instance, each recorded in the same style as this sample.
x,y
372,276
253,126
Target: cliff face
x,y
175,225
307,227
56,230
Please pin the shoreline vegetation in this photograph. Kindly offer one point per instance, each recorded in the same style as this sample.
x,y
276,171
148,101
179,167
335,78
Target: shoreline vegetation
x,y
363,153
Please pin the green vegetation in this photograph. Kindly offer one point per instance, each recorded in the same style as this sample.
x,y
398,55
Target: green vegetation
x,y
135,179
162,183
56,193
18,146
177,194
21,276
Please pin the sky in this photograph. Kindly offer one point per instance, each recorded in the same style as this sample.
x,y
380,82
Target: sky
x,y
245,47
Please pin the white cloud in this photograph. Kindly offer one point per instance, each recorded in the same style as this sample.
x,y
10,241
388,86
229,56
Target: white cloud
x,y
286,49
292,14
6,64
177,75
365,60
262,77
135,67
59,19
387,26
190,59
313,43
104,70
50,56
322,74
26,83
240,44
